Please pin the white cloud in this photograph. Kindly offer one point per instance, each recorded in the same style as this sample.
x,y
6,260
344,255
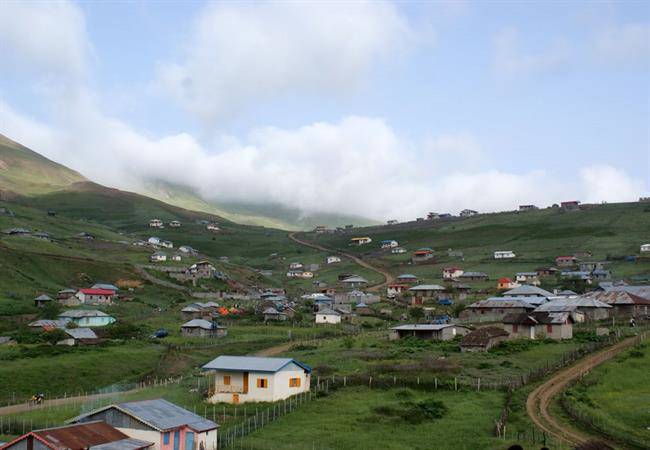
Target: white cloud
x,y
45,37
510,59
357,166
624,43
240,54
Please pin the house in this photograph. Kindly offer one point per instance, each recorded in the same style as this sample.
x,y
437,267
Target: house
x,y
242,379
363,309
187,249
328,316
582,254
294,274
306,275
474,276
576,275
95,435
18,232
48,324
459,290
176,257
436,332
451,273
356,296
395,289
158,257
495,309
95,296
165,424
65,294
571,205
423,255
313,267
354,281
624,304
601,274
407,278
84,235
320,229
77,336
483,339
389,244
468,213
506,283
203,328
398,250
333,259
645,248
392,222
566,294
295,266
271,313
544,272
504,254
174,224
454,253
590,308
527,278
166,244
527,207
153,240
42,300
360,240
433,216
201,269
110,287
155,223
541,324
528,291
424,292
213,227
87,317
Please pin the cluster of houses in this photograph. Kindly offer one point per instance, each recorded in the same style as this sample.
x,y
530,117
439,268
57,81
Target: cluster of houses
x,y
98,294
157,223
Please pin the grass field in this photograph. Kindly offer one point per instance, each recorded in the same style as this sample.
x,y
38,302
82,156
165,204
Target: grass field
x,y
615,396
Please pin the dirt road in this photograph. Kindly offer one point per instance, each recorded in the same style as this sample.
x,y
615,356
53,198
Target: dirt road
x,y
388,277
537,404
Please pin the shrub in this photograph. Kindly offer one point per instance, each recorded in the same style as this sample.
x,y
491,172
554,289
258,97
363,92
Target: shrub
x,y
126,330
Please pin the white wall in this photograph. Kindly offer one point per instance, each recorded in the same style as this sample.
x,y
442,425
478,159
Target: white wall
x,y
328,318
278,385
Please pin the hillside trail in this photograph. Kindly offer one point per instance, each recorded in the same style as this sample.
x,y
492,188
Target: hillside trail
x,y
388,277
539,400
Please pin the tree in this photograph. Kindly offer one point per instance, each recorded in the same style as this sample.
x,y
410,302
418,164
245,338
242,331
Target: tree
x,y
416,314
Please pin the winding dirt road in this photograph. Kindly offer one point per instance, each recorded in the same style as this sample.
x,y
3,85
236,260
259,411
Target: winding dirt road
x,y
537,404
388,277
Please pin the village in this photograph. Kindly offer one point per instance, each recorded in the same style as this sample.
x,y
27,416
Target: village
x,y
428,295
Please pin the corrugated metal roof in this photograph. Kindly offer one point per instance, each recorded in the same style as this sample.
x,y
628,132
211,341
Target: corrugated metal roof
x,y
328,312
200,323
81,333
527,289
251,364
79,436
355,279
77,313
499,302
581,302
165,415
124,444
425,327
43,298
427,287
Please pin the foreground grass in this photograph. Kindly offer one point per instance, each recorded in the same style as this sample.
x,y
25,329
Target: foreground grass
x,y
615,396
362,418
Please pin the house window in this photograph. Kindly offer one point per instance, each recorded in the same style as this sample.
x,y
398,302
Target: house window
x,y
166,438
226,380
262,383
294,382
189,440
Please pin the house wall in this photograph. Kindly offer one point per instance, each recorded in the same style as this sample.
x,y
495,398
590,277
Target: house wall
x,y
145,435
488,314
327,318
93,321
595,313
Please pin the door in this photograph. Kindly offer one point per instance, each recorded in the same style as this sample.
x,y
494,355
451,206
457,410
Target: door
x,y
177,440
189,440
235,398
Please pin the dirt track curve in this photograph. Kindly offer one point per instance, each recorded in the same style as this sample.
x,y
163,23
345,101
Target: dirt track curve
x,y
388,277
537,404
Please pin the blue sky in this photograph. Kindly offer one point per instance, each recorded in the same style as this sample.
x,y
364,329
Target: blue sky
x,y
448,104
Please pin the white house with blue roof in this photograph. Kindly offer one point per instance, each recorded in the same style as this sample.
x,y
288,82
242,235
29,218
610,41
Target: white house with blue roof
x,y
243,379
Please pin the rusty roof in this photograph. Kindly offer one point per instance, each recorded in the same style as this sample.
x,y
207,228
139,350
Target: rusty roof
x,y
76,436
482,336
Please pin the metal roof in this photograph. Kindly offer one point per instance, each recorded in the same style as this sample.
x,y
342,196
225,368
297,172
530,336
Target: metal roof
x,y
425,327
355,279
251,364
617,298
200,323
108,286
427,287
124,444
501,302
527,289
43,298
579,302
81,333
78,313
406,275
80,435
328,312
535,300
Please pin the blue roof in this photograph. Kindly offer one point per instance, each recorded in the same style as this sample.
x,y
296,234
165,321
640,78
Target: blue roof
x,y
251,364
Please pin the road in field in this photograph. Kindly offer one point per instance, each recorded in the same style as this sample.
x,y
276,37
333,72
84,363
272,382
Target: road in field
x,y
388,277
537,404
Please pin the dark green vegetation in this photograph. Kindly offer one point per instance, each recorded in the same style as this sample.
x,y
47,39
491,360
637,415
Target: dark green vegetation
x,y
614,398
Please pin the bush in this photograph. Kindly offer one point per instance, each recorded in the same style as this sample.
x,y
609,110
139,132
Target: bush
x,y
413,412
127,330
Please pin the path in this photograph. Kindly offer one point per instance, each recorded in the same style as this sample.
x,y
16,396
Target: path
x,y
537,404
388,277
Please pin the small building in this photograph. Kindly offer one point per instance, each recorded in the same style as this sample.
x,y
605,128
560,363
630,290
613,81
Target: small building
x,y
425,292
541,324
506,283
423,255
527,207
95,435
296,266
155,223
87,317
451,273
354,281
645,248
158,257
407,278
213,227
398,250
203,329
468,213
571,205
436,332
527,278
42,300
363,309
474,276
327,315
360,240
320,229
601,274
79,336
272,314
544,272
389,243
504,254
65,294
483,339
174,224
395,289
177,257
166,244
392,222
187,249
165,424
495,309
528,291
96,296
623,304
589,307
333,259
242,379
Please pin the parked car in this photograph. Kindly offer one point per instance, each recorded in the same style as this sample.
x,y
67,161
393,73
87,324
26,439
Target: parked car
x,y
445,302
159,334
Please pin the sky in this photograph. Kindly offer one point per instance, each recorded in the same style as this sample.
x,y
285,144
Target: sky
x,y
377,109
